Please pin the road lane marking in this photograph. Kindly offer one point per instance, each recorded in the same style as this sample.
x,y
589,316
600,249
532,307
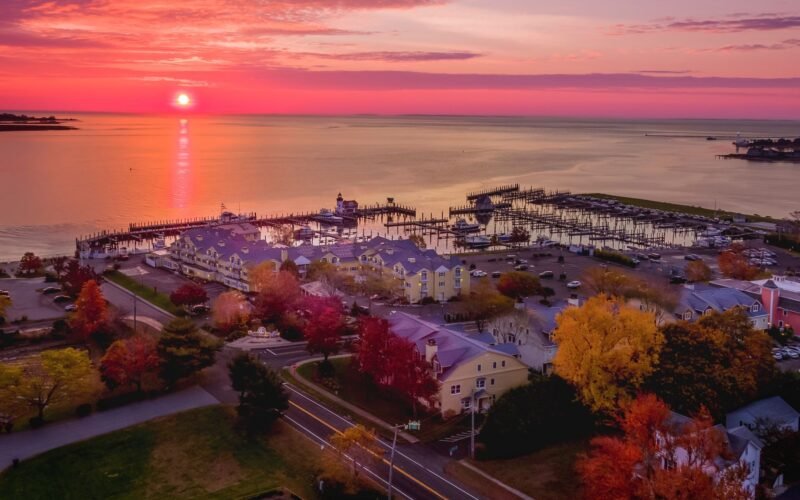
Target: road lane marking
x,y
325,443
270,351
396,467
385,444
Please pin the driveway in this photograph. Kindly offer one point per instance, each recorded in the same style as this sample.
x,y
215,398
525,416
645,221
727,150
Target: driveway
x,y
29,443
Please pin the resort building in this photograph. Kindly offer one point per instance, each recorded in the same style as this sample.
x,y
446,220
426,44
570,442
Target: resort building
x,y
225,254
468,370
780,296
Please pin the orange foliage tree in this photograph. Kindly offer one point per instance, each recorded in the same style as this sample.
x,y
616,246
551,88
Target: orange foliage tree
x,y
661,456
733,264
129,361
91,312
698,271
230,310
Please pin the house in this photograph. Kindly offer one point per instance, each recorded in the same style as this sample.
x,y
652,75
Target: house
x,y
346,207
468,370
695,302
743,447
769,411
780,296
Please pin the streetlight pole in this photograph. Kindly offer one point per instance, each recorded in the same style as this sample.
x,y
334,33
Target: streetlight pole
x,y
391,460
472,434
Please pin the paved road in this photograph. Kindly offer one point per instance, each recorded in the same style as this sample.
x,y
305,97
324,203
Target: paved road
x,y
26,444
124,301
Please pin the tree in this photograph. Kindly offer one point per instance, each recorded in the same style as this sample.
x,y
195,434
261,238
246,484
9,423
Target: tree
x,y
261,275
515,423
321,270
412,376
324,327
655,298
517,284
277,297
55,376
485,303
91,313
129,361
607,281
606,350
75,276
59,265
657,458
184,350
520,235
546,292
5,303
734,264
289,266
698,271
29,263
230,311
262,397
360,445
372,347
189,294
418,240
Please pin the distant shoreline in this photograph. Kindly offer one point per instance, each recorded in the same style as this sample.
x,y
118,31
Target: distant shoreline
x,y
27,127
9,122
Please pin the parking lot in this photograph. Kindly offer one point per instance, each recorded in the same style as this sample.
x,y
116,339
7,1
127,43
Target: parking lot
x,y
28,301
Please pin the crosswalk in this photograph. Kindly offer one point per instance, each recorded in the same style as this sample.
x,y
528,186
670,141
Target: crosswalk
x,y
457,437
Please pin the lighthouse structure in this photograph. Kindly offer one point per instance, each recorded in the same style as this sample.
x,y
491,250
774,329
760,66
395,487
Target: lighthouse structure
x,y
345,207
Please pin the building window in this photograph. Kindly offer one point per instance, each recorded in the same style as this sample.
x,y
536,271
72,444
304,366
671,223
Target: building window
x,y
503,364
494,364
491,381
479,367
466,403
455,389
687,315
480,383
785,312
754,308
458,283
441,274
441,284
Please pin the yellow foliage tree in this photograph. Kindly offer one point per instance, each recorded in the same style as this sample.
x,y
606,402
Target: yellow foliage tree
x,y
5,303
360,445
261,275
230,310
606,350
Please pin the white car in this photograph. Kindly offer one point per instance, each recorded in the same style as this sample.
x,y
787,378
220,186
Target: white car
x,y
477,273
777,355
574,284
71,308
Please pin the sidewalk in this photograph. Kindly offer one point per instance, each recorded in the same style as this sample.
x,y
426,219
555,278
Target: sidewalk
x,y
29,443
344,404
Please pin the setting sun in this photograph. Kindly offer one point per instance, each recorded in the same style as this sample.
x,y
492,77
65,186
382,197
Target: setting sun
x,y
183,100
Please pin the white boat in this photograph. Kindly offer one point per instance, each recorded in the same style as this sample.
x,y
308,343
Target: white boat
x,y
477,241
462,226
504,238
327,217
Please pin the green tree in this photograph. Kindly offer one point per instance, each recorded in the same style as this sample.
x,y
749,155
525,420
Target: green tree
x,y
530,417
289,266
30,263
55,376
262,397
484,303
418,240
184,350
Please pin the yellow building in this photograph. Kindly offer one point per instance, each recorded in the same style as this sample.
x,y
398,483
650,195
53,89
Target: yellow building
x,y
467,369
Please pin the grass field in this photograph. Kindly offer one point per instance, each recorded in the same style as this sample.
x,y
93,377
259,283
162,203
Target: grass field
x,y
145,292
674,207
195,454
548,474
359,390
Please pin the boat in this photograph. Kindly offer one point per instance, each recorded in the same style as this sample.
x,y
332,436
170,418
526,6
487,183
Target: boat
x,y
462,226
477,241
325,216
504,238
304,233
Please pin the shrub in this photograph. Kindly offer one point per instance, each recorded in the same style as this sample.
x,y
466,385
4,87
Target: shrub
x,y
612,256
83,410
427,300
36,422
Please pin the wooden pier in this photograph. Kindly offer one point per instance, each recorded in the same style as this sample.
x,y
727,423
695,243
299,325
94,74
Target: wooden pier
x,y
497,191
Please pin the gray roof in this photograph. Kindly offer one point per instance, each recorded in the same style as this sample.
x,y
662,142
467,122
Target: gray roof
x,y
453,348
718,299
773,409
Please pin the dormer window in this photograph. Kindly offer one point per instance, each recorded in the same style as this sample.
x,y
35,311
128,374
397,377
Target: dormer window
x,y
687,315
754,308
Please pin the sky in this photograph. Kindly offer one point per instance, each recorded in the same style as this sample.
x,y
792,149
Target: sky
x,y
617,58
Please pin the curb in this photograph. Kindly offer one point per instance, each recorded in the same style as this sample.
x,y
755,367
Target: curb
x,y
359,411
496,481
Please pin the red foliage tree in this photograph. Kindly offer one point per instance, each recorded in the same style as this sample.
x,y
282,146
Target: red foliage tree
x,y
517,284
189,294
128,361
91,313
660,458
277,297
29,263
75,276
733,264
374,340
324,327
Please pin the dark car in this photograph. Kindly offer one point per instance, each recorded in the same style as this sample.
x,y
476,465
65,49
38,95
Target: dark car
x,y
521,267
654,256
691,257
51,289
62,298
546,274
200,309
677,279
496,274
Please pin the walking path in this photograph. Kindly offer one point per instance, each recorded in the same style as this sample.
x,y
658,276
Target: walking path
x,y
344,404
29,443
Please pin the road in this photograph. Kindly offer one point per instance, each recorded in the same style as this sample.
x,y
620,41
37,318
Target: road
x,y
418,471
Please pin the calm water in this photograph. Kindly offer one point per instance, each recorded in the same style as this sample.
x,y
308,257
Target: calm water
x,y
123,168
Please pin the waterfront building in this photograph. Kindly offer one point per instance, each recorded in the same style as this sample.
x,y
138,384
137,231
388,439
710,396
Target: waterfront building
x,y
467,370
780,296
225,254
696,301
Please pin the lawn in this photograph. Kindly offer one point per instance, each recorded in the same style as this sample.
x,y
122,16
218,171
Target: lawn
x,y
159,299
548,474
195,454
359,390
674,207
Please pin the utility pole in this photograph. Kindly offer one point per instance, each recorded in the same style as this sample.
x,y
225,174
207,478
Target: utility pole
x,y
472,434
391,460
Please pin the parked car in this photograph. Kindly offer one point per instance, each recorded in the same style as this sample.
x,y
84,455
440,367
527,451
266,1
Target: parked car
x,y
496,274
777,355
200,309
51,289
574,284
521,267
62,298
654,256
677,279
5,293
71,308
790,353
692,257
546,274
477,273
511,257
520,261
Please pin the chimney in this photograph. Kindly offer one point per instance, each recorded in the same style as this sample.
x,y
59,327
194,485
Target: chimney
x,y
430,349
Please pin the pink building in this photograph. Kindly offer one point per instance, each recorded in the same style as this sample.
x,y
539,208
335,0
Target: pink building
x,y
779,294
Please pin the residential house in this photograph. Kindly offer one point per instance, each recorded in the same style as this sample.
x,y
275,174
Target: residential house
x,y
696,301
467,370
765,412
780,296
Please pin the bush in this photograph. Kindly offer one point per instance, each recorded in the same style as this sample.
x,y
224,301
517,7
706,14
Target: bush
x,y
83,410
427,301
36,422
50,277
111,402
612,256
